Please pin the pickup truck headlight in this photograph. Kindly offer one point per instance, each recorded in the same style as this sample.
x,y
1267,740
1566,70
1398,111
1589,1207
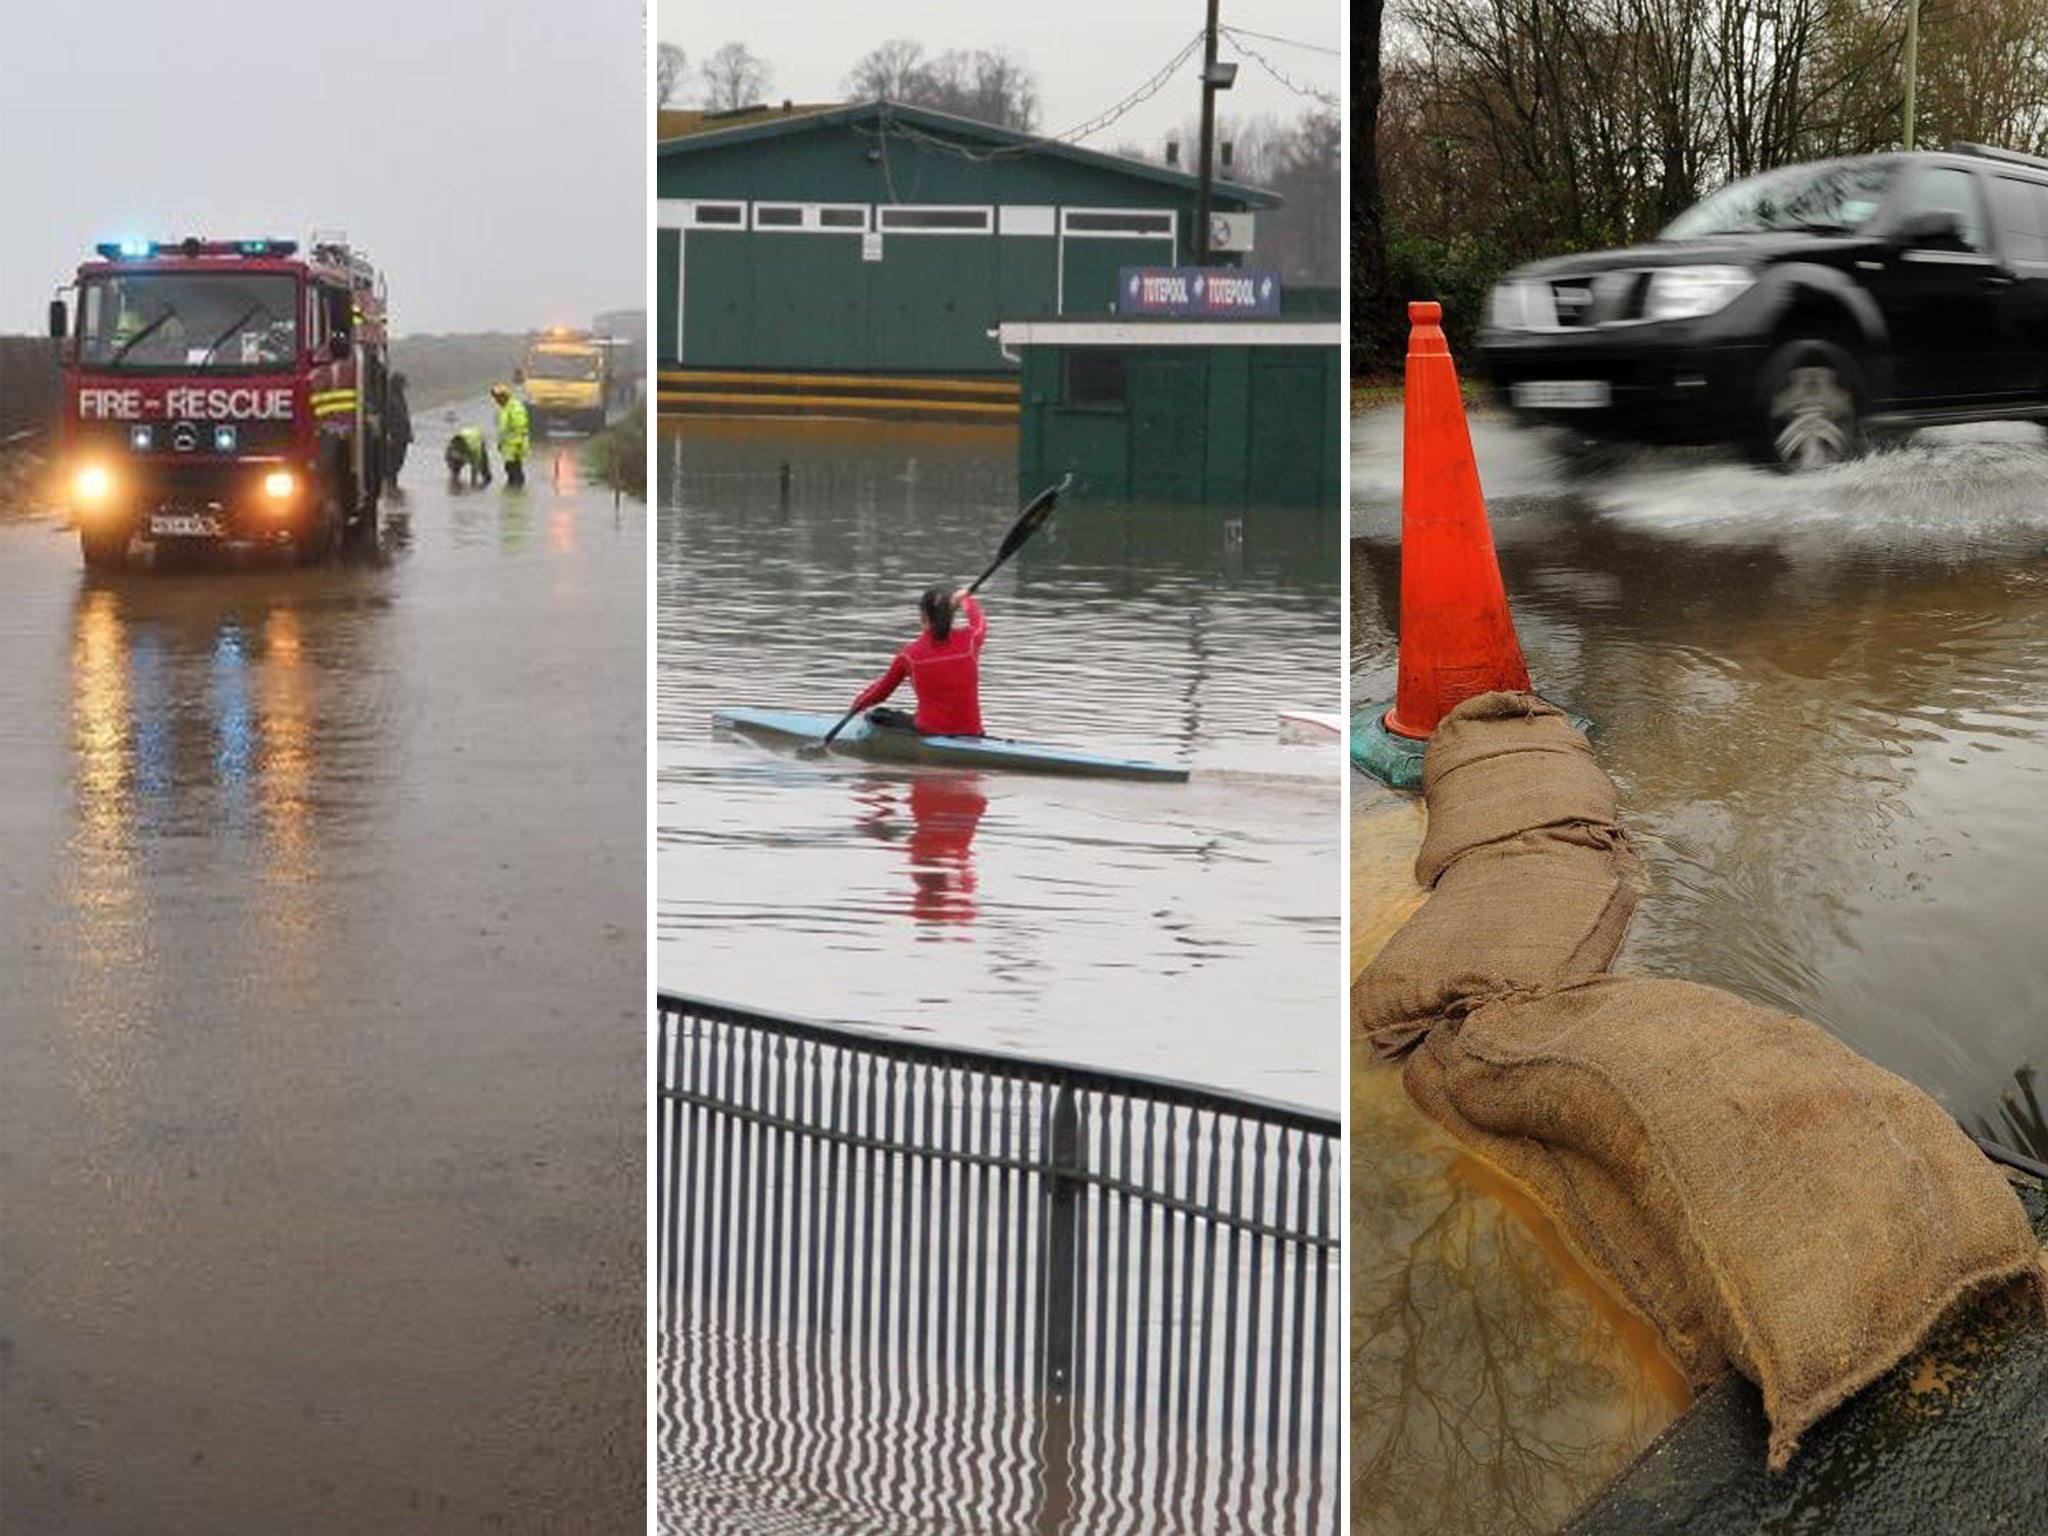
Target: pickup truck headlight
x,y
1684,293
1506,308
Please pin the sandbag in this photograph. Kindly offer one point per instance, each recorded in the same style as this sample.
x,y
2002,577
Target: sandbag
x,y
1533,911
1762,1194
1501,764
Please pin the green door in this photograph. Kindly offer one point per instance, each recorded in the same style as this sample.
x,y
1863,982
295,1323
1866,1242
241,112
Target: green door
x,y
1169,420
717,300
1289,436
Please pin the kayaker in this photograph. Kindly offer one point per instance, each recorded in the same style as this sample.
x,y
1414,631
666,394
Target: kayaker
x,y
944,667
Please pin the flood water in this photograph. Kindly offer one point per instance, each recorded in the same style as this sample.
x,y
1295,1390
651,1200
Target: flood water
x,y
1188,930
761,1436
1184,930
320,1082
1824,699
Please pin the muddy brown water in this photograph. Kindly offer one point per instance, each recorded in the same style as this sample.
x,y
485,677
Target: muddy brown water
x,y
1189,931
321,1073
1129,925
1825,701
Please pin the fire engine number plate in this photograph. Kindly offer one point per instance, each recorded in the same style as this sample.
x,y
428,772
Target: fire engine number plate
x,y
1562,395
183,525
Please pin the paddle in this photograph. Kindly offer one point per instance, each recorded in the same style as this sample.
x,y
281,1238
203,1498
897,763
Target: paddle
x,y
1029,521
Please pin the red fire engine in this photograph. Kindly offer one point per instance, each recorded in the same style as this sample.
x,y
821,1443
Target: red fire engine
x,y
223,390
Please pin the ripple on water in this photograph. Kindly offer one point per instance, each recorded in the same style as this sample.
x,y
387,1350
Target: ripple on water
x,y
1133,925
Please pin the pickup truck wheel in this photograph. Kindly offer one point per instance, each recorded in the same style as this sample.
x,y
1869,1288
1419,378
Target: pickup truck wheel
x,y
1810,407
104,549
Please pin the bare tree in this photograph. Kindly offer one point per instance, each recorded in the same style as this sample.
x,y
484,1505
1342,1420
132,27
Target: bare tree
x,y
670,64
1493,131
989,85
735,77
1304,237
891,71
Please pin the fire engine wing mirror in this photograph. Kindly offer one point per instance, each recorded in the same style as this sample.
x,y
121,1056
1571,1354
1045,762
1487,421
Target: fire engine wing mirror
x,y
60,321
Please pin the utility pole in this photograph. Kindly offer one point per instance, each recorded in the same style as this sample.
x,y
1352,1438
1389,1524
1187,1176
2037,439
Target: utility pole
x,y
1912,60
1215,77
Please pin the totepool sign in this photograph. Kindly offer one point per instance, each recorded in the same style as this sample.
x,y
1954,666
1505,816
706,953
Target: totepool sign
x,y
1213,293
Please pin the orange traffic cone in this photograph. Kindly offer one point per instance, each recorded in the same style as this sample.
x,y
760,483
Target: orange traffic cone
x,y
1457,638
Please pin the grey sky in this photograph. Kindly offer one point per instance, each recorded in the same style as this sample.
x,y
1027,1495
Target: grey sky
x,y
489,156
1087,55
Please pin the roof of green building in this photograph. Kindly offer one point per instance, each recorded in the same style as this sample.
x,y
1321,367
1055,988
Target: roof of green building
x,y
934,130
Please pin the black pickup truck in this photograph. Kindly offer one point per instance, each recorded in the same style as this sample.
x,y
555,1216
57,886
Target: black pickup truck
x,y
1798,313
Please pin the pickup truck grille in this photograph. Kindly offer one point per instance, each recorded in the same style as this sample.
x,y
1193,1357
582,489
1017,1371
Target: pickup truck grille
x,y
1581,303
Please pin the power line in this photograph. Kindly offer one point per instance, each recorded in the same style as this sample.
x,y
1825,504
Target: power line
x,y
1237,39
1291,42
1154,84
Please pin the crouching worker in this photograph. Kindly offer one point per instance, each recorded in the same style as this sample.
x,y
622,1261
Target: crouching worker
x,y
467,450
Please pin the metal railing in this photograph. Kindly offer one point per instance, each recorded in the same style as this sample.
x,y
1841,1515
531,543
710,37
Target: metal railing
x,y
1153,1260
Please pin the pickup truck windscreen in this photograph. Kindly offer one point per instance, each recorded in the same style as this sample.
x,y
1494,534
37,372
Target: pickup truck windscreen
x,y
1839,197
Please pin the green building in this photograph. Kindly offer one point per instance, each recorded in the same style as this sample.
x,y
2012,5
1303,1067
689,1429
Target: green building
x,y
872,250
1228,412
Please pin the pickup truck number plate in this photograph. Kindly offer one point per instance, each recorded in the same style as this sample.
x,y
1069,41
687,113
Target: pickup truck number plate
x,y
183,525
1562,394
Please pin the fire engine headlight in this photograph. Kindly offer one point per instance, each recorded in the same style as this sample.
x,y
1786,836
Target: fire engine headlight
x,y
279,484
223,439
141,437
92,485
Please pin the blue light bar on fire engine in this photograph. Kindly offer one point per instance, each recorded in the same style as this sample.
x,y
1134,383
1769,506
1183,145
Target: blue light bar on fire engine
x,y
140,250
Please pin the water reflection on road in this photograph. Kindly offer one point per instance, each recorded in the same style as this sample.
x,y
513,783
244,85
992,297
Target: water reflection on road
x,y
1825,700
319,1113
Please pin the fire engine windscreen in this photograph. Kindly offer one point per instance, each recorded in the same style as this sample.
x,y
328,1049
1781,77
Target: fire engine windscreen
x,y
189,321
562,365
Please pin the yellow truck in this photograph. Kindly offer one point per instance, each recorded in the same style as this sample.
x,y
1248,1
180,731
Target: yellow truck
x,y
568,380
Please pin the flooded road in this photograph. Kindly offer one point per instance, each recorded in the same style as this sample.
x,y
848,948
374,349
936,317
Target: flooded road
x,y
1161,928
1824,699
321,1119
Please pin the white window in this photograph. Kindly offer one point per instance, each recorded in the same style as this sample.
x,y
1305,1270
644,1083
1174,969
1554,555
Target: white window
x,y
689,213
812,218
1118,223
1023,219
936,219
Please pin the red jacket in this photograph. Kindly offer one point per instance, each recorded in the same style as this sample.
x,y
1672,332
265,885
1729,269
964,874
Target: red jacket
x,y
946,675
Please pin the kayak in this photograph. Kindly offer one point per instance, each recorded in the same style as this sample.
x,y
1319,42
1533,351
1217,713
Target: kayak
x,y
863,738
1311,720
